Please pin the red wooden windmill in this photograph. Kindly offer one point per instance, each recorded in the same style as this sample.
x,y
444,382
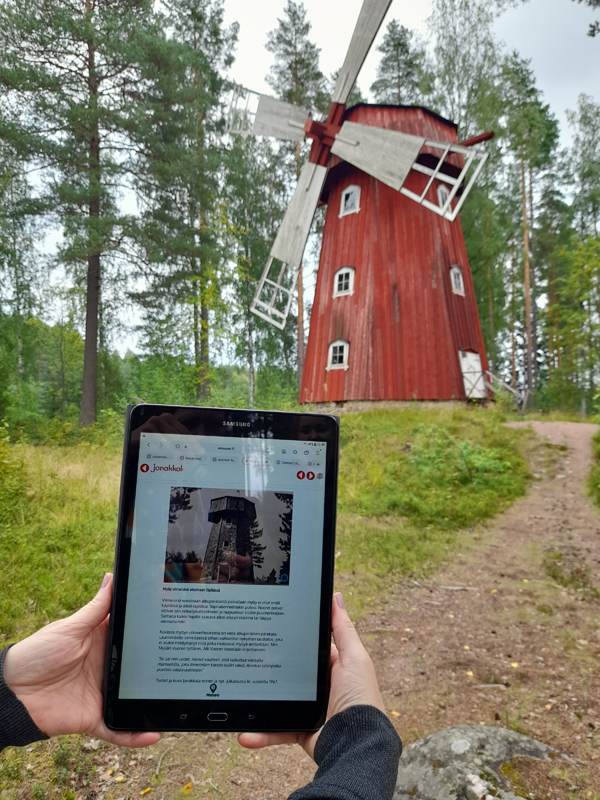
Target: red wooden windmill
x,y
394,315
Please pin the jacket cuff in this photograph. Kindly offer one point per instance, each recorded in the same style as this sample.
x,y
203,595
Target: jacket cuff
x,y
16,726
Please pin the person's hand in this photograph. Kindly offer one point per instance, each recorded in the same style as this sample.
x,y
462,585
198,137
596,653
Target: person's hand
x,y
353,682
57,674
234,568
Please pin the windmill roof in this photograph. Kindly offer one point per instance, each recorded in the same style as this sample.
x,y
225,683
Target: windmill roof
x,y
393,105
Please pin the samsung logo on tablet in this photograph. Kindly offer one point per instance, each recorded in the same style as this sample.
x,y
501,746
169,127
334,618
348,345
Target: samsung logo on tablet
x,y
236,424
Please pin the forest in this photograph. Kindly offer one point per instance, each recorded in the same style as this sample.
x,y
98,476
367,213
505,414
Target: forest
x,y
123,196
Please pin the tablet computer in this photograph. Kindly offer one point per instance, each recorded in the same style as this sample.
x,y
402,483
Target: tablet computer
x,y
223,571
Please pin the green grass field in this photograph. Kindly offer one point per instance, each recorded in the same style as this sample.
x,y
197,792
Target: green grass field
x,y
410,481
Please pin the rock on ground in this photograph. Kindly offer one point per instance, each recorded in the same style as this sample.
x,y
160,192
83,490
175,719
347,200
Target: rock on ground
x,y
463,763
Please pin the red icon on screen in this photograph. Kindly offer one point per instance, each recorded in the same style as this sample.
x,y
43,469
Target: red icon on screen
x,y
310,476
144,468
300,475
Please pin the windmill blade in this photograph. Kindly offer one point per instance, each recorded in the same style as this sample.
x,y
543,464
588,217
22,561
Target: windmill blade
x,y
389,156
273,298
279,119
369,21
386,155
474,159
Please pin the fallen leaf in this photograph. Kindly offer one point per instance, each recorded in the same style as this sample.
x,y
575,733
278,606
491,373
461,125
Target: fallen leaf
x,y
145,791
525,580
414,608
494,591
549,706
395,714
187,789
368,600
467,647
256,757
469,674
132,763
514,664
120,778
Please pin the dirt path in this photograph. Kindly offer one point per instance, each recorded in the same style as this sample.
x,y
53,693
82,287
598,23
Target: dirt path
x,y
508,634
515,647
519,645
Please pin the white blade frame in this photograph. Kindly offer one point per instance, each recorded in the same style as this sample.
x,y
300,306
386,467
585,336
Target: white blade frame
x,y
242,111
275,291
279,119
369,21
470,155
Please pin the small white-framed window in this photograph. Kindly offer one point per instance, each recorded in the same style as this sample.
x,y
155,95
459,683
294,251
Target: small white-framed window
x,y
457,280
337,357
350,202
443,194
343,282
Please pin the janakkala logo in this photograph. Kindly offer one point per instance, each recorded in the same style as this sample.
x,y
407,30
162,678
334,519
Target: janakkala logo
x,y
157,468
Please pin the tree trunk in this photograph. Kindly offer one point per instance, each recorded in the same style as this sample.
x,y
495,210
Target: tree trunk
x,y
203,362
251,372
513,346
300,297
534,313
490,294
250,327
526,280
87,413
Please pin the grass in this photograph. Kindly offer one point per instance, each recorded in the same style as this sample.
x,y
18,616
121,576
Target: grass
x,y
409,482
594,479
57,539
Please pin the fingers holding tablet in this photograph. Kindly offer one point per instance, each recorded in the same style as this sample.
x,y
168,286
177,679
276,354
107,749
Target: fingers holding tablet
x,y
353,682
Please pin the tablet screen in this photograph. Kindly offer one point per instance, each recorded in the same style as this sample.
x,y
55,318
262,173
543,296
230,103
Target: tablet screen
x,y
223,591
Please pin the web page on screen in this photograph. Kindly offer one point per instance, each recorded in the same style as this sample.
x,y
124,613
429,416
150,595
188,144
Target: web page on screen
x,y
223,596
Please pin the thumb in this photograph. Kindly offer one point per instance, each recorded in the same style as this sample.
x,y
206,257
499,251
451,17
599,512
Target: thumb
x,y
344,633
96,611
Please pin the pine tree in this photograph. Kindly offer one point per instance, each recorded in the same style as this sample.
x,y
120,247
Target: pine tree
x,y
256,534
533,134
297,78
584,164
285,543
72,70
180,166
402,74
254,193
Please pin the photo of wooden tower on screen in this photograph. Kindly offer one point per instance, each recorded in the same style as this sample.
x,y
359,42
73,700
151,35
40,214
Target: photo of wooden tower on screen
x,y
394,315
229,536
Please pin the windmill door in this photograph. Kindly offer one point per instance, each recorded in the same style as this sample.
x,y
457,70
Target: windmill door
x,y
473,377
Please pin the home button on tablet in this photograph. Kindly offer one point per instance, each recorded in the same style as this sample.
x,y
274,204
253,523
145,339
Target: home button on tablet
x,y
217,717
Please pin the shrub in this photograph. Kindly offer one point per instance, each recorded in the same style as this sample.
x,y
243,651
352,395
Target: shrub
x,y
12,478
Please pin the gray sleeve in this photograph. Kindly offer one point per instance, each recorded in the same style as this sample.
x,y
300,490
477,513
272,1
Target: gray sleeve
x,y
358,753
16,726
